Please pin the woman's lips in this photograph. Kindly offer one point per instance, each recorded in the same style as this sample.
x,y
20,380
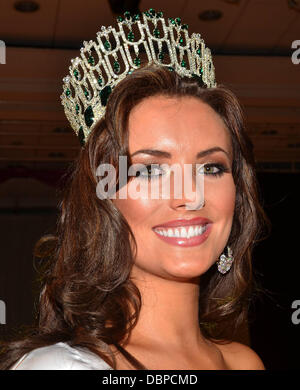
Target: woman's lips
x,y
184,222
186,242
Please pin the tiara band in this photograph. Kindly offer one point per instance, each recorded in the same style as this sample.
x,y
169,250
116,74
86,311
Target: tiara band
x,y
116,53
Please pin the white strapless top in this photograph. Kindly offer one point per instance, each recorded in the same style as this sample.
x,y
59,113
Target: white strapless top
x,y
60,356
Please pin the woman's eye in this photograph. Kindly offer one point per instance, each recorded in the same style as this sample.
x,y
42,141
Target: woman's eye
x,y
213,169
151,171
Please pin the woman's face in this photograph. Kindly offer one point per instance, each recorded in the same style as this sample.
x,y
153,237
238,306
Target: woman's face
x,y
182,127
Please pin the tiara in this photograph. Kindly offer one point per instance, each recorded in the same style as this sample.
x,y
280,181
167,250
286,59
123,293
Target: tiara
x,y
140,39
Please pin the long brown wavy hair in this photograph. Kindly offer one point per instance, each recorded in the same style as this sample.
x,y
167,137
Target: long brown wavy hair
x,y
87,297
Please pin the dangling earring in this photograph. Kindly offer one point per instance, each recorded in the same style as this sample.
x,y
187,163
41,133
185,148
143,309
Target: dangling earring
x,y
225,262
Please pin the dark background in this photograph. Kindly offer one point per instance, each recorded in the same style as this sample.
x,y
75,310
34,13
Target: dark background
x,y
273,335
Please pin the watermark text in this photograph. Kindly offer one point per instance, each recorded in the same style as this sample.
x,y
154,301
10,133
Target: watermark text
x,y
2,52
2,313
296,53
164,181
296,314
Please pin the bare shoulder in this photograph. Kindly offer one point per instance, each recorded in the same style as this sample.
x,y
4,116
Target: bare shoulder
x,y
239,356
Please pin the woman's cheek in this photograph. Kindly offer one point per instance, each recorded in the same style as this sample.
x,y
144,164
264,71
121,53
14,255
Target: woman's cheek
x,y
138,206
220,195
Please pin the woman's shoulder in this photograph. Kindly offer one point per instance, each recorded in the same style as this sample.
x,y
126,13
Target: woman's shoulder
x,y
60,356
239,356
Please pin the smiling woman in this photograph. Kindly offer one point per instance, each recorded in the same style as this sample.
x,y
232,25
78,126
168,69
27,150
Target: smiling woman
x,y
180,125
132,283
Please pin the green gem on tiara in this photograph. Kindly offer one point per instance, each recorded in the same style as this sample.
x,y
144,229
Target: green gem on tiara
x,y
172,21
159,14
137,61
198,51
178,21
76,74
116,67
130,36
156,33
184,27
68,92
104,94
181,41
100,81
91,60
136,17
89,116
81,136
86,93
161,55
150,13
127,14
77,109
107,45
120,19
183,64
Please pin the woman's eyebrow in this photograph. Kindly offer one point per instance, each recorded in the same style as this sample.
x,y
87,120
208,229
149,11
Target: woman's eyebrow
x,y
161,153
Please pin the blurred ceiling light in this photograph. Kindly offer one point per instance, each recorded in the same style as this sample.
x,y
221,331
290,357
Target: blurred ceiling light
x,y
210,15
26,6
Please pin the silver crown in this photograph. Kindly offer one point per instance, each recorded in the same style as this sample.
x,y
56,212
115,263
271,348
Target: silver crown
x,y
139,40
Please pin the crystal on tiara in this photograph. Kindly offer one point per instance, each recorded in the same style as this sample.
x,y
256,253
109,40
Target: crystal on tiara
x,y
139,39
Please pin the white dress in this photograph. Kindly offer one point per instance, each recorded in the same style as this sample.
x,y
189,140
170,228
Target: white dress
x,y
60,356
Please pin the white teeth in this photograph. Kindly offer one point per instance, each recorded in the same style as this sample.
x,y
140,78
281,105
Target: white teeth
x,y
183,232
191,232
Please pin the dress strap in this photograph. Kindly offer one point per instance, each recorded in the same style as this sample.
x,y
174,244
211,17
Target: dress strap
x,y
132,360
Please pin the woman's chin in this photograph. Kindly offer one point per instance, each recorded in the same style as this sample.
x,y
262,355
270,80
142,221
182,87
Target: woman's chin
x,y
186,270
175,270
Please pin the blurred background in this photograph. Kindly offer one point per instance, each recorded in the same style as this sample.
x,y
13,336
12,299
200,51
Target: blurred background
x,y
252,46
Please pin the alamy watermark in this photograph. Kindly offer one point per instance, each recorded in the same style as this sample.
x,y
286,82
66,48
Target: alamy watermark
x,y
2,52
296,314
147,186
2,313
296,53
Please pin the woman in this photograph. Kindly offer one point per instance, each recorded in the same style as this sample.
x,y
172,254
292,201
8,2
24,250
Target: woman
x,y
131,284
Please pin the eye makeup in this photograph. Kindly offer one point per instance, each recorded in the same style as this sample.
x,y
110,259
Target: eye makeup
x,y
154,170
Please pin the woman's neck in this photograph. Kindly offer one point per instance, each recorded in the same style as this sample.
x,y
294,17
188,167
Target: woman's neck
x,y
169,312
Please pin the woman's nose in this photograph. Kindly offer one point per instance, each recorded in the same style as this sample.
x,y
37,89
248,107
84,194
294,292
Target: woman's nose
x,y
187,188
